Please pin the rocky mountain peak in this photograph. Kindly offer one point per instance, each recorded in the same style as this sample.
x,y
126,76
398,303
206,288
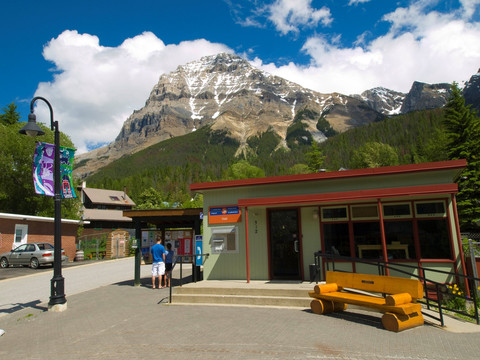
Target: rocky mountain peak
x,y
425,96
227,93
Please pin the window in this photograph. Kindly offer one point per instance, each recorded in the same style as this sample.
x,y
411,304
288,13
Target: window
x,y
225,239
337,240
360,212
399,239
434,239
21,234
430,209
21,248
334,213
395,211
367,240
114,198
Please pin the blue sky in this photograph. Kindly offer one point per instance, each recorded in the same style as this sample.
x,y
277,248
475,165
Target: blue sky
x,y
96,61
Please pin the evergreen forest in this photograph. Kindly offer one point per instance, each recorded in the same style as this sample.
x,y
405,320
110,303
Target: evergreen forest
x,y
168,168
160,176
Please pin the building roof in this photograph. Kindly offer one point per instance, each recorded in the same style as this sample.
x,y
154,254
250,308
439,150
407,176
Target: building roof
x,y
38,218
108,197
453,166
104,215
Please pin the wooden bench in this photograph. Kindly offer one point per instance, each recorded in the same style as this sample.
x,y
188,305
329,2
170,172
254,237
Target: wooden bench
x,y
399,306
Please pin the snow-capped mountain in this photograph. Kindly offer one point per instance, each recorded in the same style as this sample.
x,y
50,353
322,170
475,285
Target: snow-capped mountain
x,y
229,94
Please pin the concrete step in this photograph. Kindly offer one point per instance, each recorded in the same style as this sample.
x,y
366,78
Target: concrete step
x,y
242,296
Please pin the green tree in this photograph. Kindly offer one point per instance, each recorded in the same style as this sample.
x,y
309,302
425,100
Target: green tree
x,y
243,170
17,194
315,158
10,114
298,169
463,133
374,154
195,202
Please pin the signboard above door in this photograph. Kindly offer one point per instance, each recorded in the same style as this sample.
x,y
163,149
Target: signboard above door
x,y
224,215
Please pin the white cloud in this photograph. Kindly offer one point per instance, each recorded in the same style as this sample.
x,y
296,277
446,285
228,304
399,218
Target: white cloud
x,y
95,88
420,45
290,15
356,2
469,7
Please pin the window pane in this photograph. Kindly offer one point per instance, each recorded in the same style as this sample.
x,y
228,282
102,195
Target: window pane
x,y
364,211
367,240
433,237
430,208
399,238
334,213
336,239
396,210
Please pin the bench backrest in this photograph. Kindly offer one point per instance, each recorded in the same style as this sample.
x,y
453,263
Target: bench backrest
x,y
376,283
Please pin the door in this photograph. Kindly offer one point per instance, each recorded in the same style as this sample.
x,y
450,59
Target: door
x,y
18,255
285,263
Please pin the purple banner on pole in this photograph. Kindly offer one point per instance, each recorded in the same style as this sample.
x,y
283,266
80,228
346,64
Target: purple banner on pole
x,y
43,169
43,161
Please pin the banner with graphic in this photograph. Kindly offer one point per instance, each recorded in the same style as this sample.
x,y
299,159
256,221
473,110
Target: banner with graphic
x,y
43,161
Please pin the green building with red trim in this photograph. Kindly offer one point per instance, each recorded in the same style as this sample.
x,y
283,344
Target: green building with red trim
x,y
269,228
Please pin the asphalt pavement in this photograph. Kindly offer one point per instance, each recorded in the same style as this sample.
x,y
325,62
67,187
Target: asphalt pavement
x,y
109,318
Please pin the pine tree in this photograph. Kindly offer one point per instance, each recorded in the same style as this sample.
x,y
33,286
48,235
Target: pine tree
x,y
315,158
463,131
10,115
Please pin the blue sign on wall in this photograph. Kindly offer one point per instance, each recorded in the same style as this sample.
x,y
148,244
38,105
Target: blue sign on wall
x,y
198,250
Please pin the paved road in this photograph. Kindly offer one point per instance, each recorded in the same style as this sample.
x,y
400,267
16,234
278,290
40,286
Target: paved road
x,y
109,318
16,271
34,288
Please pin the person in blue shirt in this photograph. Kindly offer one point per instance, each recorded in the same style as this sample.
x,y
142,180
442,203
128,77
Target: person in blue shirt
x,y
158,262
169,263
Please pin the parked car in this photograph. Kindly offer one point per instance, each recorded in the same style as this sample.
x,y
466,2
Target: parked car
x,y
33,255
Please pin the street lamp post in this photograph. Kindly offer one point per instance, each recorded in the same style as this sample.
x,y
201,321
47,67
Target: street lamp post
x,y
58,301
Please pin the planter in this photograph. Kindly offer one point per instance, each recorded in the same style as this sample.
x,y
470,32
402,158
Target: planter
x,y
79,255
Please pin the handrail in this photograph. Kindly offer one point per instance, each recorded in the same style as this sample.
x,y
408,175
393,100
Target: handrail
x,y
194,277
438,287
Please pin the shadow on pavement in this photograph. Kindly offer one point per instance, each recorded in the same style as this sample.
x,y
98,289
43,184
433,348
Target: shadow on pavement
x,y
19,306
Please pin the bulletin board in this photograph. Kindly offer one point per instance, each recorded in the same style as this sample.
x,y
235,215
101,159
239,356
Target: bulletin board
x,y
181,241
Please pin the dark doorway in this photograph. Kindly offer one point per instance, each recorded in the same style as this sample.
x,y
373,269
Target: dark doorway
x,y
284,245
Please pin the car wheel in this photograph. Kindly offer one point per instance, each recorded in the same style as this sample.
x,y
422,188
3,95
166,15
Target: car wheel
x,y
34,264
4,263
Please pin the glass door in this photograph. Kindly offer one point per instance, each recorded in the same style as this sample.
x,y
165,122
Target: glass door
x,y
285,246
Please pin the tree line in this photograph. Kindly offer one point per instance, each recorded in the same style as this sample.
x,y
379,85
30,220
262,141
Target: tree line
x,y
160,176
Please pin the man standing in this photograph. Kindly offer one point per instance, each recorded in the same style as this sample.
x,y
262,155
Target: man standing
x,y
158,262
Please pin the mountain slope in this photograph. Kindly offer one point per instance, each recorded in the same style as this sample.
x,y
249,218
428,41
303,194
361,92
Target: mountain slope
x,y
225,92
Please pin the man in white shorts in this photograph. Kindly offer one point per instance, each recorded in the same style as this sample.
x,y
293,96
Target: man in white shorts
x,y
158,262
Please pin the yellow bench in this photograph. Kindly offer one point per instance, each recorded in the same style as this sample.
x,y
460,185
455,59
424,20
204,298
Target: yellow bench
x,y
401,311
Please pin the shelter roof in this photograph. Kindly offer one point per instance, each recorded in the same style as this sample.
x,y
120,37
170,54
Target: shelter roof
x,y
166,217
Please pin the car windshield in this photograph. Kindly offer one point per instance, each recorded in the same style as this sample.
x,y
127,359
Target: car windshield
x,y
45,246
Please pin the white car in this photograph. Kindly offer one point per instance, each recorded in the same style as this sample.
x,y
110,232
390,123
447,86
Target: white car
x,y
33,255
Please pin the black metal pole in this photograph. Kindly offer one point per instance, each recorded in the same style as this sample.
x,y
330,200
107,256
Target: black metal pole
x,y
57,284
57,289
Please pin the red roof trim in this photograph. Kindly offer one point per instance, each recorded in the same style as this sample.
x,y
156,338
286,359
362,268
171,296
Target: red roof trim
x,y
351,195
387,170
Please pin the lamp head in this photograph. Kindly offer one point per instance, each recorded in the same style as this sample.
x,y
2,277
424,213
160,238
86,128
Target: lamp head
x,y
31,128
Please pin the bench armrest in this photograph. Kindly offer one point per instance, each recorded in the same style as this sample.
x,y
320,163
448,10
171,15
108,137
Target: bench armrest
x,y
326,288
398,299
